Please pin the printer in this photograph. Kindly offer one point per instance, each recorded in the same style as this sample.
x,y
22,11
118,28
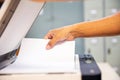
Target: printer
x,y
14,26
16,18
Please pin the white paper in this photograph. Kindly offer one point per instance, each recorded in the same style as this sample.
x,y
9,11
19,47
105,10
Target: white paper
x,y
34,58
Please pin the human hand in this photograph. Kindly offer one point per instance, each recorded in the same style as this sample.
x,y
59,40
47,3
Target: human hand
x,y
59,35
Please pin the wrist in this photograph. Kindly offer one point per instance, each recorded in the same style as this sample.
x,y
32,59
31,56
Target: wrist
x,y
76,30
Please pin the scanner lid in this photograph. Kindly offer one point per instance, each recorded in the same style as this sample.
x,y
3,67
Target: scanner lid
x,y
18,24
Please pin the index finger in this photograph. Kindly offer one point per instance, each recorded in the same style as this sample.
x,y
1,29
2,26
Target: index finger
x,y
51,43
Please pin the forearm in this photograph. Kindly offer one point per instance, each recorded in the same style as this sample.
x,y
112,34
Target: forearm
x,y
108,26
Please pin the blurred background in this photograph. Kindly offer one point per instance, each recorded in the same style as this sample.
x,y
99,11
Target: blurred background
x,y
59,14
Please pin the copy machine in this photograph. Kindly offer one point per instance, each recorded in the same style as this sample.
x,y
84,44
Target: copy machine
x,y
16,18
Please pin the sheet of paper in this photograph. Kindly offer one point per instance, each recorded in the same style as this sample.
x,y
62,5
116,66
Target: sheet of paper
x,y
34,58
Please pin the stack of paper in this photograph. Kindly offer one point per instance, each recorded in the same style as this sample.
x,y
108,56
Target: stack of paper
x,y
34,58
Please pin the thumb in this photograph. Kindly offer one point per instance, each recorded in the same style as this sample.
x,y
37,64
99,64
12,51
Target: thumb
x,y
51,43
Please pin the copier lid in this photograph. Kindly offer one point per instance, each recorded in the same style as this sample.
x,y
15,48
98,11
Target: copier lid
x,y
18,24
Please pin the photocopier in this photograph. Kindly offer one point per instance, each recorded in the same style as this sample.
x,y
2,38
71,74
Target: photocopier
x,y
16,18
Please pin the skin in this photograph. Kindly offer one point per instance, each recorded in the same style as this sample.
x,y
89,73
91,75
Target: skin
x,y
108,26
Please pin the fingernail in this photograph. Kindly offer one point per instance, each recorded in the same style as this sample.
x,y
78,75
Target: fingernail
x,y
48,47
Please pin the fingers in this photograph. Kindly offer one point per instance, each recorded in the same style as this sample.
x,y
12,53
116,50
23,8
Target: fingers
x,y
49,35
58,35
51,43
53,40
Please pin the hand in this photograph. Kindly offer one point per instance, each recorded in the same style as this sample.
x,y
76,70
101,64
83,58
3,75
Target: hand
x,y
59,35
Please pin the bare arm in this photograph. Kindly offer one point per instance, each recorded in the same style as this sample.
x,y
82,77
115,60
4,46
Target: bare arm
x,y
108,26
